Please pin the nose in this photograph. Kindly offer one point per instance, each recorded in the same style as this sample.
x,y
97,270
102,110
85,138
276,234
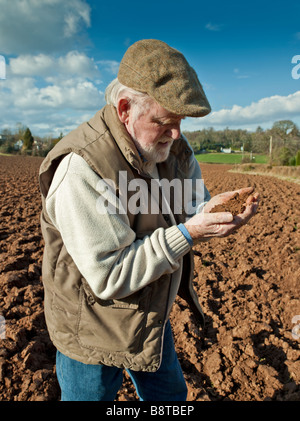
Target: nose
x,y
174,132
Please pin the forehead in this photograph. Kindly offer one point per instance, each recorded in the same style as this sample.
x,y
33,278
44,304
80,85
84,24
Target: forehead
x,y
157,112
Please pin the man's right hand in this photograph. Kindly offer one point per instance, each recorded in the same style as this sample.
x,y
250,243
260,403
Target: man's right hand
x,y
207,225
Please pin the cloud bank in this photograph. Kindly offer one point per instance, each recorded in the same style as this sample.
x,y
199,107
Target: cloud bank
x,y
30,26
263,112
50,94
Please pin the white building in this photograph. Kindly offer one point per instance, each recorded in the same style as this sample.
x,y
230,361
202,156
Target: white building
x,y
18,145
226,150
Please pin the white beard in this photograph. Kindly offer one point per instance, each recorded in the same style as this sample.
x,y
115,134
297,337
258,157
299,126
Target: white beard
x,y
154,153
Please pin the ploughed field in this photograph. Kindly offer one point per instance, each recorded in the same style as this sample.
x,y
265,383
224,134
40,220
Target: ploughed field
x,y
248,285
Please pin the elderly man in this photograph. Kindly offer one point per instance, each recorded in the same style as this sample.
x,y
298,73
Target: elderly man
x,y
113,264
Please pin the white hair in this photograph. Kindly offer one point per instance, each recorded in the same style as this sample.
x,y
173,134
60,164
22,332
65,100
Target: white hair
x,y
140,102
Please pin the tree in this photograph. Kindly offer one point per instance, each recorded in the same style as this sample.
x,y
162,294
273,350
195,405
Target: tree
x,y
285,127
27,140
284,156
260,141
20,131
7,143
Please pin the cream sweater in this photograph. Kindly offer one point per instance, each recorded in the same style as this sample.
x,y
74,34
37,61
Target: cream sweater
x,y
103,246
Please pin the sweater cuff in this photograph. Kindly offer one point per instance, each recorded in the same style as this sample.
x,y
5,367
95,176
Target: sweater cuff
x,y
186,234
177,243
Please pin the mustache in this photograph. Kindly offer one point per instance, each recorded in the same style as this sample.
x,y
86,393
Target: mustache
x,y
165,139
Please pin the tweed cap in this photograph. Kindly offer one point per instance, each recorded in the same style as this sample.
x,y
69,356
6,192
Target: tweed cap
x,y
153,67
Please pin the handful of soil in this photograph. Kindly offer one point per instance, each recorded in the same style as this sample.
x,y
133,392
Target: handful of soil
x,y
235,205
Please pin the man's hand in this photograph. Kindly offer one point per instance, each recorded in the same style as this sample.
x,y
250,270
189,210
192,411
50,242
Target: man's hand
x,y
207,225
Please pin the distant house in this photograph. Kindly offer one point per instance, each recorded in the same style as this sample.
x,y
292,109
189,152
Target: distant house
x,y
226,150
18,145
37,145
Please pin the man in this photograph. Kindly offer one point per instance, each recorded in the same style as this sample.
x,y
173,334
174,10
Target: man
x,y
114,257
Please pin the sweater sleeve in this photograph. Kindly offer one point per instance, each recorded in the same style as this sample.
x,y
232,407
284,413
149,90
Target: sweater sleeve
x,y
103,246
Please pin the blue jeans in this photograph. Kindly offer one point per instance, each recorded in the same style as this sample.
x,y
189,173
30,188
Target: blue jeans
x,y
87,382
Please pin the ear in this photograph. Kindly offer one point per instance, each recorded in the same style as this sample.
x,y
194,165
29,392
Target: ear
x,y
123,109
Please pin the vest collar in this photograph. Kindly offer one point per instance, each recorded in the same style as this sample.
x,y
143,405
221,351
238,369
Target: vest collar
x,y
122,138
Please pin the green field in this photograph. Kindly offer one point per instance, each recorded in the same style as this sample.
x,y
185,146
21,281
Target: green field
x,y
230,158
218,158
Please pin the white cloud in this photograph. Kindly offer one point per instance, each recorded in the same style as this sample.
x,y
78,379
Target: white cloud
x,y
50,94
74,95
262,112
236,71
213,27
25,95
50,86
73,20
77,63
110,65
50,109
28,26
72,64
28,65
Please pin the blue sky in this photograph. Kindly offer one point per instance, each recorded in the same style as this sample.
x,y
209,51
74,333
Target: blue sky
x,y
61,54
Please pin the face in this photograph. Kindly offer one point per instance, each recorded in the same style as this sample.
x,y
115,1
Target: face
x,y
153,132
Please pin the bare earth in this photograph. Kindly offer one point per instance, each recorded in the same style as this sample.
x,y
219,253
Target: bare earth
x,y
248,285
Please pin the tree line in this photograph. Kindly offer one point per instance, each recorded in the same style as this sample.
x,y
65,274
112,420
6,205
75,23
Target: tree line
x,y
281,143
21,141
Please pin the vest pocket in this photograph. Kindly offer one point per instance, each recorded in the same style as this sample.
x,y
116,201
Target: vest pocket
x,y
113,325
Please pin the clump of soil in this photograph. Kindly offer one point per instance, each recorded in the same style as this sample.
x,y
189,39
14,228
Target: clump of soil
x,y
236,205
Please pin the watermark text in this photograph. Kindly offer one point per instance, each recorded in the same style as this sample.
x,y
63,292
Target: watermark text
x,y
296,69
2,68
138,196
2,328
296,329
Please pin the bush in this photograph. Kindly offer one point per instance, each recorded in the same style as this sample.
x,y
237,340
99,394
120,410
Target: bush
x,y
298,158
282,156
7,148
246,159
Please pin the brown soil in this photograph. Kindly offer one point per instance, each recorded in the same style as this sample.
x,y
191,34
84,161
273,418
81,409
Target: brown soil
x,y
236,205
248,285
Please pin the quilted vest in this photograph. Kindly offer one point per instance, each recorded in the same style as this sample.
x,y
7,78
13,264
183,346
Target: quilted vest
x,y
124,333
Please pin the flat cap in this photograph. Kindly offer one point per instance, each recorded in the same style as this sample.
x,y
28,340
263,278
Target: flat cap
x,y
153,67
